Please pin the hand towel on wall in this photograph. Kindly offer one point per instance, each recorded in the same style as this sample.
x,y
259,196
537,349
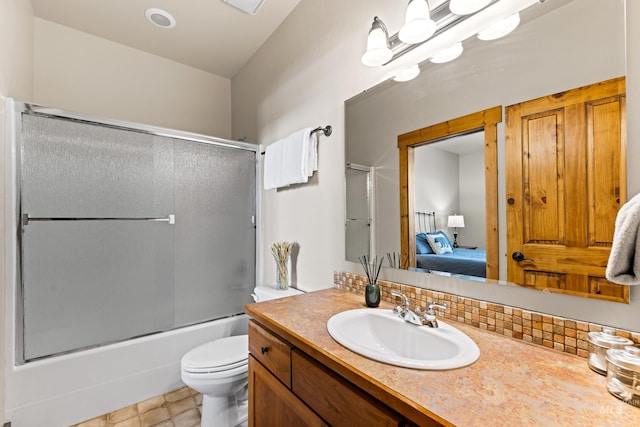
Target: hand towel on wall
x,y
624,261
273,165
291,160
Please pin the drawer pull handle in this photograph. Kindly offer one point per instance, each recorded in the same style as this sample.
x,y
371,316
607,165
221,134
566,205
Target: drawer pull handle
x,y
264,350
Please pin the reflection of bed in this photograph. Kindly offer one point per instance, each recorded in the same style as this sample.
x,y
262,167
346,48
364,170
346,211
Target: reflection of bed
x,y
461,261
470,262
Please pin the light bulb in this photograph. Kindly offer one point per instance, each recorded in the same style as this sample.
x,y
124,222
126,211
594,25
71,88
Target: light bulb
x,y
408,73
378,51
500,28
448,54
418,25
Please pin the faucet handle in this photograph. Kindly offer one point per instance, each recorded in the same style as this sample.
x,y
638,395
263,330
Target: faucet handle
x,y
433,305
430,314
405,301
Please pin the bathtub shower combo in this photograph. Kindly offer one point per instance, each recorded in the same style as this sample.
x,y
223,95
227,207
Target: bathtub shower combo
x,y
130,246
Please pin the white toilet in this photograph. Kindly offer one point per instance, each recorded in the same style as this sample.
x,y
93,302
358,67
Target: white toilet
x,y
219,370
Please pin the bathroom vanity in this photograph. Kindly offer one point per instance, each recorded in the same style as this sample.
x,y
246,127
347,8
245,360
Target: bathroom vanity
x,y
298,375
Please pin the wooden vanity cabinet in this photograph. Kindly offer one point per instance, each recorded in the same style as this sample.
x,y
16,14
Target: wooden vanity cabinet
x,y
287,387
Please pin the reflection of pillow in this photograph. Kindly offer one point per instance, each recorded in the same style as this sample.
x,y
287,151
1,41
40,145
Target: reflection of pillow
x,y
422,246
444,235
439,243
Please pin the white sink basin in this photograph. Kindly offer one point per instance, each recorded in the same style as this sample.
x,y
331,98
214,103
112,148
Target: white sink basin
x,y
381,335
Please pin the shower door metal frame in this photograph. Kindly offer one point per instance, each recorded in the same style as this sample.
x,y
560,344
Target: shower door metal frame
x,y
15,218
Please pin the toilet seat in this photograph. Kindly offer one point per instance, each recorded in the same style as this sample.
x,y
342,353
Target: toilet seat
x,y
216,356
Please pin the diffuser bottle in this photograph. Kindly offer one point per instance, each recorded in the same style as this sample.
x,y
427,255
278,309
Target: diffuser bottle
x,y
372,294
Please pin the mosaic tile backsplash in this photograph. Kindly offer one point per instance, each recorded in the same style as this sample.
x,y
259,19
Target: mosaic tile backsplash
x,y
565,335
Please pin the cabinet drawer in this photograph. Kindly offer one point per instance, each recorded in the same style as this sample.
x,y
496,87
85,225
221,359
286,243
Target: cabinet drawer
x,y
273,404
336,400
271,351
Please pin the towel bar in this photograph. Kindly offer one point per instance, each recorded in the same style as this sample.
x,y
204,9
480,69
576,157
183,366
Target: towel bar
x,y
327,130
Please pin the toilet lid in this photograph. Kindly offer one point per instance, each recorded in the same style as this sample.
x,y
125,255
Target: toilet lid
x,y
219,355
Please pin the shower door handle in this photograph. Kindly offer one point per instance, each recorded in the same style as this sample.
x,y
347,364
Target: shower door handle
x,y
171,219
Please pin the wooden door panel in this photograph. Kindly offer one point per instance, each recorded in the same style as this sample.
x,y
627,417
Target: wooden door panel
x,y
607,290
543,173
605,170
566,181
544,280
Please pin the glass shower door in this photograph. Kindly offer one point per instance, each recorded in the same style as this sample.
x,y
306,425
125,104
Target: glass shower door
x,y
215,234
126,233
97,246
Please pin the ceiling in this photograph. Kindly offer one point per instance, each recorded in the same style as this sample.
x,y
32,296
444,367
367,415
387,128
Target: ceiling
x,y
209,34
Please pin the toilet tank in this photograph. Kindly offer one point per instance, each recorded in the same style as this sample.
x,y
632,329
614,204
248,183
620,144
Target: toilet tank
x,y
264,293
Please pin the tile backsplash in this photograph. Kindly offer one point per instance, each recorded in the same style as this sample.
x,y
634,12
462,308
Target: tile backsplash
x,y
565,335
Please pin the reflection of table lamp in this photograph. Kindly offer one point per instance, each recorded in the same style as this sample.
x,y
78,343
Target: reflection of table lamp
x,y
455,222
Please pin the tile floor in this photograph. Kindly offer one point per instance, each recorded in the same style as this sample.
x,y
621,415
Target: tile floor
x,y
179,408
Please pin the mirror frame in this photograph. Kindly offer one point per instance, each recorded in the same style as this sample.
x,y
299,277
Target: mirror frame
x,y
487,121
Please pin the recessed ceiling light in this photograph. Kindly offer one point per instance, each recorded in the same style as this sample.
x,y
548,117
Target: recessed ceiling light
x,y
160,17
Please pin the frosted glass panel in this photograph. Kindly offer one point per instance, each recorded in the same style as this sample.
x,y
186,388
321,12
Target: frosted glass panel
x,y
92,282
357,238
357,193
94,268
215,236
76,169
357,229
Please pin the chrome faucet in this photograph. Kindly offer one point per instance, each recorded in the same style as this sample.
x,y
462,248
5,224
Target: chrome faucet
x,y
404,311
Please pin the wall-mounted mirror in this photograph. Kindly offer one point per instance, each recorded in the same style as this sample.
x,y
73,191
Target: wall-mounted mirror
x,y
454,166
555,48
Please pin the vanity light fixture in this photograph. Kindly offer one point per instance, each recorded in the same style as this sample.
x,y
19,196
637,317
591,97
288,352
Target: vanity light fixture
x,y
418,25
474,18
378,50
467,7
408,73
500,28
160,17
447,54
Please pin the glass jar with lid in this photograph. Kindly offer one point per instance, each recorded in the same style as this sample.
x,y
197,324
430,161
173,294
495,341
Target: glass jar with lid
x,y
623,374
599,343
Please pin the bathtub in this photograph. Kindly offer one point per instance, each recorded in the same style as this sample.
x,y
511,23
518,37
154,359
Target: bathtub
x,y
68,389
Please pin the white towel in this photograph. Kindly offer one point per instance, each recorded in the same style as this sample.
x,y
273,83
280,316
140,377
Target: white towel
x,y
273,165
624,261
313,152
290,160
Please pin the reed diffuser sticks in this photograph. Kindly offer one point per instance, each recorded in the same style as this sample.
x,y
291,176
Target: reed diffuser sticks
x,y
371,267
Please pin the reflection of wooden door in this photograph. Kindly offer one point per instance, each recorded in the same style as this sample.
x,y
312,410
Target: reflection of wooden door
x,y
566,180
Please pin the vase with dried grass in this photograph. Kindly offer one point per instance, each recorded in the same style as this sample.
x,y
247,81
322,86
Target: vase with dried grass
x,y
281,252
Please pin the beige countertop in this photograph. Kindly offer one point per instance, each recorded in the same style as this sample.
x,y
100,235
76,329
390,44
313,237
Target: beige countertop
x,y
512,383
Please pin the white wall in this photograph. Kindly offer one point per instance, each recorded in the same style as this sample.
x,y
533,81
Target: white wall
x,y
16,73
472,200
78,72
303,74
437,188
